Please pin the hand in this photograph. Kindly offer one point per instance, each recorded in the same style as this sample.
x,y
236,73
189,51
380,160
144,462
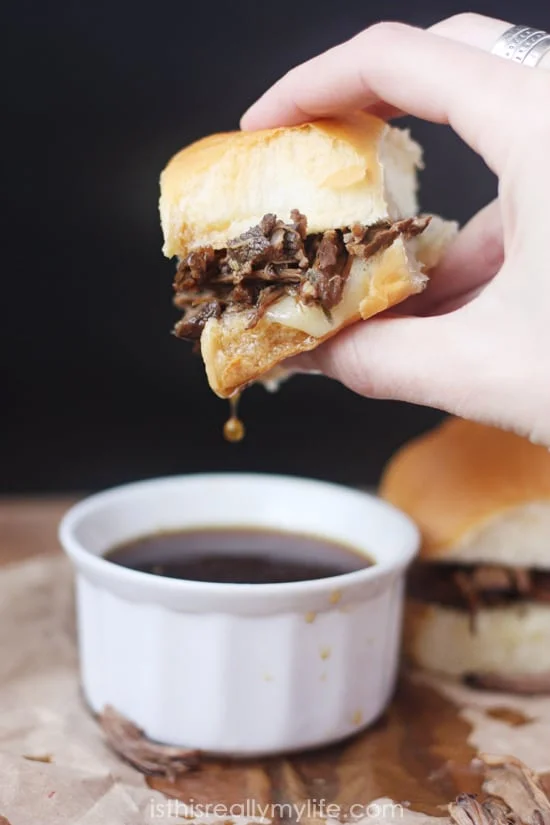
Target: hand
x,y
477,343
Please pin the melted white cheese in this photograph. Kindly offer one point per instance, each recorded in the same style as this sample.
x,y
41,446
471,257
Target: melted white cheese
x,y
397,260
291,312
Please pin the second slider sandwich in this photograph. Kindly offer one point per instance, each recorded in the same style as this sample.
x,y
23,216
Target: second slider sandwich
x,y
285,236
479,595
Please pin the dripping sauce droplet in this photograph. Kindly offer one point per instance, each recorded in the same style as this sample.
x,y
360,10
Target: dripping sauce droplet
x,y
233,429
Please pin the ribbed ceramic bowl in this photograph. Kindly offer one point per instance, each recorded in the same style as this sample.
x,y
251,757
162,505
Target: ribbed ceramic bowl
x,y
233,668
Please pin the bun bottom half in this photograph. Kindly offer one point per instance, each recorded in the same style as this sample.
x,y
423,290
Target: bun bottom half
x,y
235,356
509,643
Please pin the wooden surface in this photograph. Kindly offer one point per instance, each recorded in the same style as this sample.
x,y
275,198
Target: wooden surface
x,y
28,527
418,752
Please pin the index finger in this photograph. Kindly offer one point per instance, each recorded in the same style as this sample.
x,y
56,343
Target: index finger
x,y
419,72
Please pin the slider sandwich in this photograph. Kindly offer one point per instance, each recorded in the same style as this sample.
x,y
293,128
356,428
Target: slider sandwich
x,y
479,595
285,236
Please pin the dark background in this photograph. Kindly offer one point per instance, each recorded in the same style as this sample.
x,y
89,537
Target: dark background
x,y
95,391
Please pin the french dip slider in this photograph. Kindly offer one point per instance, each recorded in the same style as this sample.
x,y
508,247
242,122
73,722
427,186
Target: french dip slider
x,y
285,236
479,596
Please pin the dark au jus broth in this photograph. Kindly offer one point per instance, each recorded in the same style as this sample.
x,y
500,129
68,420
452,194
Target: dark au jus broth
x,y
238,556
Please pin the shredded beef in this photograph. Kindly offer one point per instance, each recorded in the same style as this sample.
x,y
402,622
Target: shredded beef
x,y
325,279
267,297
242,294
200,266
472,587
148,757
271,241
468,810
520,788
192,324
299,223
366,241
272,258
249,249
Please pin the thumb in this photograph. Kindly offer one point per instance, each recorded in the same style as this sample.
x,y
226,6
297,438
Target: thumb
x,y
469,263
399,358
481,361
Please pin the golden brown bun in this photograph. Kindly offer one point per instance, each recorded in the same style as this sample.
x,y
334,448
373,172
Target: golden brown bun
x,y
477,493
330,170
512,640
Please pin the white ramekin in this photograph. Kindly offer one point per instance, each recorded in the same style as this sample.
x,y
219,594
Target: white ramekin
x,y
231,668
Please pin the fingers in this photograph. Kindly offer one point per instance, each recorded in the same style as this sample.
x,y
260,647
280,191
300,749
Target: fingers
x,y
412,70
395,358
477,30
457,302
471,261
447,362
469,28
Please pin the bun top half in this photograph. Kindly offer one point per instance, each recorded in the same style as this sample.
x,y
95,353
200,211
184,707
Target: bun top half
x,y
477,493
336,171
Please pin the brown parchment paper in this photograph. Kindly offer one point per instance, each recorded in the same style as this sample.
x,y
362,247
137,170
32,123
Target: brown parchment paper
x,y
42,715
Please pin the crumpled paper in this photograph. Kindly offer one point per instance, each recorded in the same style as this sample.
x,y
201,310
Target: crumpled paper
x,y
70,776
527,738
42,714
